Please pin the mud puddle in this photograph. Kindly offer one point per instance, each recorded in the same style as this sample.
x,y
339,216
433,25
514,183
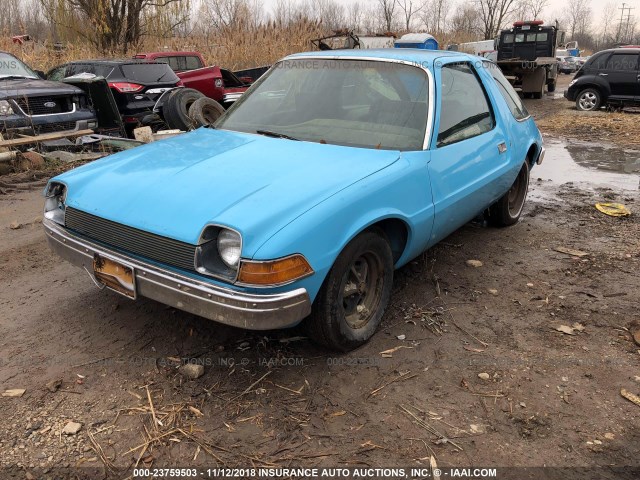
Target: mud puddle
x,y
595,166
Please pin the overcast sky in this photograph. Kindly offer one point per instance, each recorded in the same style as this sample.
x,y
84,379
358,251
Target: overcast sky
x,y
555,8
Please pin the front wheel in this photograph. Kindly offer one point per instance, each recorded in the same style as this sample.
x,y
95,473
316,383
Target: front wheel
x,y
588,100
507,210
353,297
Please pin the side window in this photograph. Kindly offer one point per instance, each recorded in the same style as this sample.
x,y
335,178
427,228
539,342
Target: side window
x,y
193,63
508,38
598,62
623,62
464,108
512,98
178,64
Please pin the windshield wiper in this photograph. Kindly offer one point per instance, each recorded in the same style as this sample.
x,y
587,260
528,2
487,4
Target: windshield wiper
x,y
268,133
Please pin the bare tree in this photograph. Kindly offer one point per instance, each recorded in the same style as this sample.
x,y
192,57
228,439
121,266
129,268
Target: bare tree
x,y
354,15
329,12
435,15
608,18
579,14
466,21
536,7
225,14
387,12
493,14
410,10
117,25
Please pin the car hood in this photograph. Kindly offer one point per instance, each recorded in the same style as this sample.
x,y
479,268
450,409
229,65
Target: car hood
x,y
30,86
252,183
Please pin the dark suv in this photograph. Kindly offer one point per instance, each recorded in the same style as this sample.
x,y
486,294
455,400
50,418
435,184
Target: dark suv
x,y
31,105
610,77
136,85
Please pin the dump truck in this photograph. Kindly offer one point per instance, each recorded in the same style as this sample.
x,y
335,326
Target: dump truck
x,y
526,56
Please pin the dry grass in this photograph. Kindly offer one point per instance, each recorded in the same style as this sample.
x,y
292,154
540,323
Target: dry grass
x,y
234,49
611,127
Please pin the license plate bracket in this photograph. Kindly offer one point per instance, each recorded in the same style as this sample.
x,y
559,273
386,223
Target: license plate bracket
x,y
115,275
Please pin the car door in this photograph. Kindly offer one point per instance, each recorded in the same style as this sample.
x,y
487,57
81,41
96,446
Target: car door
x,y
621,72
470,152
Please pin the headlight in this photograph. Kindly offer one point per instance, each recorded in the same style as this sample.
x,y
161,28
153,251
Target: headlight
x,y
5,108
229,246
218,252
55,195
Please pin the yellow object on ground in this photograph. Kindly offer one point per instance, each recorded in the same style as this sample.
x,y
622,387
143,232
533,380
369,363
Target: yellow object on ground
x,y
613,209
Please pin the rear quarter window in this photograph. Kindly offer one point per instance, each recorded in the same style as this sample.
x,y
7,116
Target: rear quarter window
x,y
193,63
510,96
598,62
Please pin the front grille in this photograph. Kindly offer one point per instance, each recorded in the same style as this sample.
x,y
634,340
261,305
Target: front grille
x,y
45,105
54,127
144,244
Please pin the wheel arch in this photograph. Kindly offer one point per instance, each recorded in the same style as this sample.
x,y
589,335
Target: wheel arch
x,y
396,231
602,89
532,153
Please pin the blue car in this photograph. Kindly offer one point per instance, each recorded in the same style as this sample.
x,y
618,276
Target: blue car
x,y
333,170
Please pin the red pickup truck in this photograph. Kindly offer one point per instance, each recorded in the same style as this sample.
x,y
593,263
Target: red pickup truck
x,y
214,82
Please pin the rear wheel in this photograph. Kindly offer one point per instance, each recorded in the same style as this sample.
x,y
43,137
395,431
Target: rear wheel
x,y
588,100
540,94
552,87
353,297
507,210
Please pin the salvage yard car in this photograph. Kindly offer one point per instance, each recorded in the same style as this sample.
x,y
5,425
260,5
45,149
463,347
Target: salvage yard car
x,y
331,172
610,77
30,105
137,86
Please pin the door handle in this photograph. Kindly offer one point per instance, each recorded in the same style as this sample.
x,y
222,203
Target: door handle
x,y
502,147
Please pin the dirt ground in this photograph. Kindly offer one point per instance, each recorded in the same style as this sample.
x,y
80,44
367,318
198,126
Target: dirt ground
x,y
468,368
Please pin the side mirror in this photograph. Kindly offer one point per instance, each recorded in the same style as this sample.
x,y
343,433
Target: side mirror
x,y
41,74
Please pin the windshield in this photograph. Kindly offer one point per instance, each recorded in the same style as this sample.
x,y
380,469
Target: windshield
x,y
149,73
10,66
358,103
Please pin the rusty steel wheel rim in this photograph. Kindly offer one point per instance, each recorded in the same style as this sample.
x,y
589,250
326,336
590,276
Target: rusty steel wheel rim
x,y
361,289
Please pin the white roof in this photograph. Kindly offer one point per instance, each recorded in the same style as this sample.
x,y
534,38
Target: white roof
x,y
415,38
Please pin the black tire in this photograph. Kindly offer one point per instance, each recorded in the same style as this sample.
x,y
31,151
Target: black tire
x,y
344,322
589,100
540,94
506,211
176,108
205,111
551,87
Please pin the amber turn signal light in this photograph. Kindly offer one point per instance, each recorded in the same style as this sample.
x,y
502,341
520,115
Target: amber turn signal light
x,y
274,272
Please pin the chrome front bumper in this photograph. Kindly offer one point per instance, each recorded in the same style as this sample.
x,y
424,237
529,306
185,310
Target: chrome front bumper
x,y
224,305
